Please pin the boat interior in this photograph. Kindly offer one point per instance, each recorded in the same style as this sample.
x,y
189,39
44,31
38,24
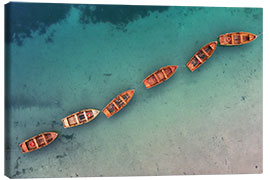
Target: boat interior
x,y
89,114
81,117
152,80
201,56
31,144
208,50
168,71
235,39
194,61
111,108
48,137
125,96
118,102
159,76
39,140
71,120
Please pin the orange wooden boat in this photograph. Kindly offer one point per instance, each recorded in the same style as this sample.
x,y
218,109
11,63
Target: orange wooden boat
x,y
159,76
202,55
236,38
118,103
38,141
80,117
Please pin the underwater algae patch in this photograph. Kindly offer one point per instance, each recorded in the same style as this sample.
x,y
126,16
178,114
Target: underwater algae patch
x,y
21,19
119,15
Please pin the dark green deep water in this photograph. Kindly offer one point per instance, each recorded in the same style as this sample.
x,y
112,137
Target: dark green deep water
x,y
64,58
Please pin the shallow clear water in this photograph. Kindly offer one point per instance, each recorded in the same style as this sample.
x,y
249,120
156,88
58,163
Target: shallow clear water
x,y
205,122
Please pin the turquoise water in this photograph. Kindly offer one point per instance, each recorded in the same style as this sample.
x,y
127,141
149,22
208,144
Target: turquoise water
x,y
205,122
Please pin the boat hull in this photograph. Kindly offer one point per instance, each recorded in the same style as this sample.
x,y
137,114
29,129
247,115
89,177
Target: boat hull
x,y
80,118
38,141
118,103
236,38
159,76
201,56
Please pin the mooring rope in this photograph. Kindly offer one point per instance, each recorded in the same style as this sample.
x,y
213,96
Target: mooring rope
x,y
259,35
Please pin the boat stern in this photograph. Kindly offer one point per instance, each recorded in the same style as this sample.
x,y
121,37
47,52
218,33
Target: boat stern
x,y
106,112
190,66
146,83
65,123
24,148
221,39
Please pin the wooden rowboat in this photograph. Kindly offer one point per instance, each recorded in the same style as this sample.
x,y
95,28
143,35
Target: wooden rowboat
x,y
118,103
80,117
159,76
202,55
38,141
236,38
